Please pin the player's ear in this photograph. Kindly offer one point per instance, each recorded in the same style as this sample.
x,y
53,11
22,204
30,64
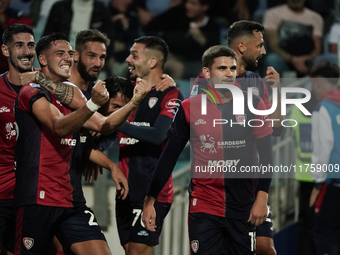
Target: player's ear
x,y
153,62
206,72
76,56
5,50
42,60
241,47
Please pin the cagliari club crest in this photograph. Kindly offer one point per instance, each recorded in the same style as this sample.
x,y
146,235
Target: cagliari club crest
x,y
28,242
152,101
194,245
241,119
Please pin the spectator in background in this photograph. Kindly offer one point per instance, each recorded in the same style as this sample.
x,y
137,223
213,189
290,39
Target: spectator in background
x,y
334,38
304,147
326,156
149,9
70,17
9,16
189,31
126,28
294,35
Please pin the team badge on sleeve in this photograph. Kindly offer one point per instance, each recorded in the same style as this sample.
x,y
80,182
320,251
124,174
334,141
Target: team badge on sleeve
x,y
256,91
152,101
28,242
194,245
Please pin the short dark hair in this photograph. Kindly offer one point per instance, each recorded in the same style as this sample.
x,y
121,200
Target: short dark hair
x,y
326,69
14,29
155,43
243,28
45,42
90,35
216,51
117,84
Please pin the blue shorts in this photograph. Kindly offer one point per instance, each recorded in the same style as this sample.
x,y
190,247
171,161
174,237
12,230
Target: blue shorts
x,y
36,225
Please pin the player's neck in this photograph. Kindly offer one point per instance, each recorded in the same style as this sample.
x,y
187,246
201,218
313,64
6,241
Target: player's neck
x,y
77,80
240,68
153,78
13,77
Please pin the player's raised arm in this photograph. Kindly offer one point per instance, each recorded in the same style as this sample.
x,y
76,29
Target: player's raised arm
x,y
107,125
68,95
65,125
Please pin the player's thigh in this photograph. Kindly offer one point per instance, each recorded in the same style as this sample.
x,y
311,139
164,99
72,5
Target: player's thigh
x,y
138,232
205,234
91,247
81,226
240,237
265,246
35,228
139,249
265,237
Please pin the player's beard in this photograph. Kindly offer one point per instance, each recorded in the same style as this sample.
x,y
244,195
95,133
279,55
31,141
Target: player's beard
x,y
22,69
85,73
250,62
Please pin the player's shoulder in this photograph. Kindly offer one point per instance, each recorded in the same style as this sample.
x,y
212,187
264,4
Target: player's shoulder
x,y
251,74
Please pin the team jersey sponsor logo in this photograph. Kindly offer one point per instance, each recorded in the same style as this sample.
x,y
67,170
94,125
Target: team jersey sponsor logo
x,y
152,101
4,109
216,163
128,140
256,91
194,245
231,144
208,144
28,242
175,102
72,142
241,119
200,122
11,130
144,124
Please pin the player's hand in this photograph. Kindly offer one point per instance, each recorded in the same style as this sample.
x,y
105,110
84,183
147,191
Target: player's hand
x,y
313,196
100,95
272,78
141,89
122,187
91,171
259,210
27,77
165,83
149,213
300,63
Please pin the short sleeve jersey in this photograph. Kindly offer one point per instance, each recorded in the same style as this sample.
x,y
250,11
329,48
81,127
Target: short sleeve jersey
x,y
43,158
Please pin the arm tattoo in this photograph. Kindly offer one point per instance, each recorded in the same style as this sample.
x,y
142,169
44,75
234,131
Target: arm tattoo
x,y
63,92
